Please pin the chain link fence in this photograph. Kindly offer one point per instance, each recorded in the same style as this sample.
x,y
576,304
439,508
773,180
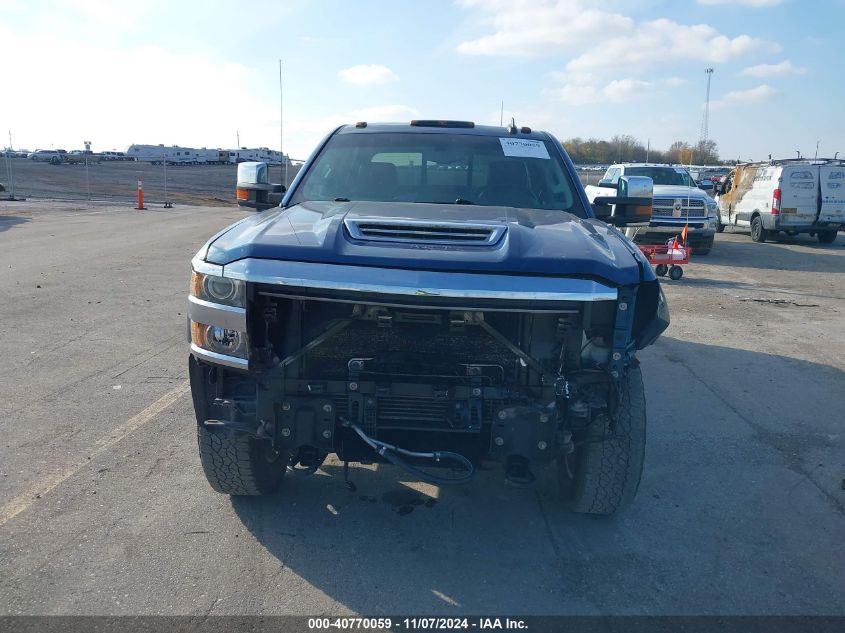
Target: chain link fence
x,y
117,181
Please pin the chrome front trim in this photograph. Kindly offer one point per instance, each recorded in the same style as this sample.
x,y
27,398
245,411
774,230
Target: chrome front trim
x,y
220,359
209,313
204,267
417,283
674,229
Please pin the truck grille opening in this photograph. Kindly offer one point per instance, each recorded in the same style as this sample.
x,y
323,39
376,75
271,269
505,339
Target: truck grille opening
x,y
689,207
456,233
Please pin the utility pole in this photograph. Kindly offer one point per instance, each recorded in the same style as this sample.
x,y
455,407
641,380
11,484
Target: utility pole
x,y
647,150
502,115
817,150
705,120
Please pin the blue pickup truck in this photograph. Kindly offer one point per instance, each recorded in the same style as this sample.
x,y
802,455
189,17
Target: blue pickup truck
x,y
435,295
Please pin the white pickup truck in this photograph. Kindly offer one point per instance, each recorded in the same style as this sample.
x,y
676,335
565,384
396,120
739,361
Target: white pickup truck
x,y
677,202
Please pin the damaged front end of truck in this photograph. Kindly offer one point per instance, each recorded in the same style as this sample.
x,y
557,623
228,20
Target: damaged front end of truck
x,y
435,367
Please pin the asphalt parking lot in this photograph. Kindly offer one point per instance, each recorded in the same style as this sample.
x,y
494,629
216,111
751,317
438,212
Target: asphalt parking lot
x,y
104,508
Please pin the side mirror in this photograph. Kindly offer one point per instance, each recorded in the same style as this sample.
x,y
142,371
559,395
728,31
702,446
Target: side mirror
x,y
254,189
631,205
607,183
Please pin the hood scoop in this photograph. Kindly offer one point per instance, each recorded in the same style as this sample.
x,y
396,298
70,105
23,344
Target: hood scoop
x,y
424,232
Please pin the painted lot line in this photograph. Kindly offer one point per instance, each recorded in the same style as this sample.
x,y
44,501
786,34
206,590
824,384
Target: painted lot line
x,y
23,501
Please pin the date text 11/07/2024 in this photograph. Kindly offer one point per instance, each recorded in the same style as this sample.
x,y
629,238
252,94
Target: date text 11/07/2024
x,y
416,624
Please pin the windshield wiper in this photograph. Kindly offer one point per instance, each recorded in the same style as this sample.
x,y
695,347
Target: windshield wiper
x,y
463,201
341,199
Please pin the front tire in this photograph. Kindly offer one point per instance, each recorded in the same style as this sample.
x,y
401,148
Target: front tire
x,y
827,237
758,233
238,464
603,475
720,228
703,249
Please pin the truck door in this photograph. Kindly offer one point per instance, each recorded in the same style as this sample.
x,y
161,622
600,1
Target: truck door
x,y
799,195
832,189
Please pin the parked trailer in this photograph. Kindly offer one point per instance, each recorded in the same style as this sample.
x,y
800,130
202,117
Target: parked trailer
x,y
177,155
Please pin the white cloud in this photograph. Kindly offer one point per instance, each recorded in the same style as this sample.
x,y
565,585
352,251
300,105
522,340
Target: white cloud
x,y
785,67
109,14
758,93
674,81
368,75
600,39
583,90
756,4
538,28
663,40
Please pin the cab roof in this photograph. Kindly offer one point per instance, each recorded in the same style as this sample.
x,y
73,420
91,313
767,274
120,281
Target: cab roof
x,y
442,127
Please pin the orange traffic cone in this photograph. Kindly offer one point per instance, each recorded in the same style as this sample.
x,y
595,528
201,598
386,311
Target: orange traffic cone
x,y
141,206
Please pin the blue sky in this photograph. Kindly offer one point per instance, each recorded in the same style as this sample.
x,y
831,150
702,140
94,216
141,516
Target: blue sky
x,y
197,73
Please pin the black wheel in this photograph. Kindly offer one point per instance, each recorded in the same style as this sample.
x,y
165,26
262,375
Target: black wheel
x,y
661,269
237,464
720,228
703,249
603,474
758,233
675,273
827,237
234,463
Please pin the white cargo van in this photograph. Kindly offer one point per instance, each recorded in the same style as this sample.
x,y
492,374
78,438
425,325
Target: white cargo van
x,y
793,196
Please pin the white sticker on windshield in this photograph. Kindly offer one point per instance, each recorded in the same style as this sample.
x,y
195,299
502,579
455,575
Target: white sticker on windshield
x,y
524,148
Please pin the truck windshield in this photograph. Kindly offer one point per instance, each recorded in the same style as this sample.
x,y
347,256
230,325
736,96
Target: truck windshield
x,y
663,175
440,168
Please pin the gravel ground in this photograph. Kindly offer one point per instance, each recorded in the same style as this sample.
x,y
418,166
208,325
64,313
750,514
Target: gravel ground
x,y
104,508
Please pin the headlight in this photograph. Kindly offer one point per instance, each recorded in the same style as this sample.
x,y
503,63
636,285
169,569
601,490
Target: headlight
x,y
711,207
230,292
219,339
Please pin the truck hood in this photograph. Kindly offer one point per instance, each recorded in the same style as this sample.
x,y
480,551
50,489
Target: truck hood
x,y
677,191
532,241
